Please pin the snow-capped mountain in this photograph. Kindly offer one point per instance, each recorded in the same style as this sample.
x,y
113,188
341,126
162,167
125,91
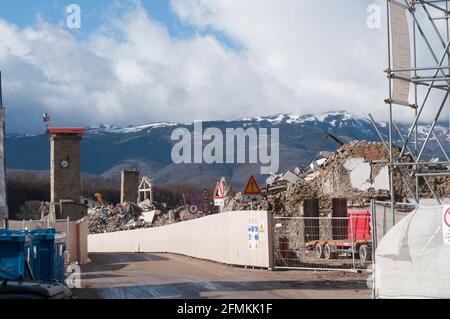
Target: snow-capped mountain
x,y
111,128
107,149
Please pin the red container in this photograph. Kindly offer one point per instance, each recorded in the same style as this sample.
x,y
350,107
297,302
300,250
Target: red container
x,y
361,225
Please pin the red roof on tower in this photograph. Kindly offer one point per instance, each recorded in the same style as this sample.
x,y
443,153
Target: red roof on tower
x,y
65,131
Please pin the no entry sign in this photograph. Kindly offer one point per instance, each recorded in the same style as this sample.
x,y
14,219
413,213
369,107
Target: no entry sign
x,y
446,225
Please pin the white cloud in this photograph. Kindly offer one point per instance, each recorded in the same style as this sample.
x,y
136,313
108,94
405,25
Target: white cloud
x,y
297,56
129,71
321,50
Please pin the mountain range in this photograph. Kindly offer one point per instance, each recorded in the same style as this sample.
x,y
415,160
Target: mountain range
x,y
107,149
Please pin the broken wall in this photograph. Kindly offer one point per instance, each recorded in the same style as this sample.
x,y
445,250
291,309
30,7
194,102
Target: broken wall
x,y
129,190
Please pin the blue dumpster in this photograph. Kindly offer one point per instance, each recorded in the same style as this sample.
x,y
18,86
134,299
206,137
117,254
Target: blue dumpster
x,y
51,248
44,241
15,253
59,260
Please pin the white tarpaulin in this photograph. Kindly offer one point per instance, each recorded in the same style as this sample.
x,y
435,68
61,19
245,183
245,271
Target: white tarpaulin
x,y
401,52
412,260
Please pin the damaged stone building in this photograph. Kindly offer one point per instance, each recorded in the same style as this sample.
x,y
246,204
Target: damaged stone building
x,y
343,181
356,173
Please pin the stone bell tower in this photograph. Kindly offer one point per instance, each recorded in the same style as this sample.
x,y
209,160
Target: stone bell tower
x,y
65,176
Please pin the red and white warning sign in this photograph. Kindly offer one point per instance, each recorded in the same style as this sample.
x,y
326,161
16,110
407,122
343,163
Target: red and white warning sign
x,y
446,225
219,199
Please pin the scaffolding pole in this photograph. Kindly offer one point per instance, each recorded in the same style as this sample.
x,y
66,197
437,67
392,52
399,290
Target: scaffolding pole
x,y
428,23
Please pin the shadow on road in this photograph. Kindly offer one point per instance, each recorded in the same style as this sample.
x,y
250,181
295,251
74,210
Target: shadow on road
x,y
196,290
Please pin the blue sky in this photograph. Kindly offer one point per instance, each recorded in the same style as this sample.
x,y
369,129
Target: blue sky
x,y
136,62
26,13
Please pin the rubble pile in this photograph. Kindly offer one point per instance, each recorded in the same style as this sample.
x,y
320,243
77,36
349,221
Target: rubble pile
x,y
105,219
128,216
168,217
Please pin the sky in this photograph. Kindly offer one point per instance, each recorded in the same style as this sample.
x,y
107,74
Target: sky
x,y
136,62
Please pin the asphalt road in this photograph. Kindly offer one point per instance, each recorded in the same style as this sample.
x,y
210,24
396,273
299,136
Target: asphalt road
x,y
149,276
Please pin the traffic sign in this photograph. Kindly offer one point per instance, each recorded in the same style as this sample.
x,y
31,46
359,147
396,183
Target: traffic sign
x,y
218,193
446,225
252,187
252,193
219,202
193,209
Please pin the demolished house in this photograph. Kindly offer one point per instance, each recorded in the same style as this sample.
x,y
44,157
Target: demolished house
x,y
355,172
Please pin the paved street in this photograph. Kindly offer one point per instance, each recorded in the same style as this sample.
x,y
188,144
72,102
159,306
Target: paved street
x,y
117,276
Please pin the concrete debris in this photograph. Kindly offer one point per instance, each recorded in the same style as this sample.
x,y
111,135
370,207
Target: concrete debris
x,y
326,155
277,183
227,190
273,179
128,216
170,217
148,217
105,219
319,164
291,178
147,205
283,179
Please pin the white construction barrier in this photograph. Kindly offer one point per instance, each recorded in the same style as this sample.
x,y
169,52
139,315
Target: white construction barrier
x,y
413,258
241,238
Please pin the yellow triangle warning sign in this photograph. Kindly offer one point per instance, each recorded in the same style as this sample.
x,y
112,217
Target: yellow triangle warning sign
x,y
252,187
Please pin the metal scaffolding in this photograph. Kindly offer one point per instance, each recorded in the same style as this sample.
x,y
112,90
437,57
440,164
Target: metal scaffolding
x,y
3,198
428,77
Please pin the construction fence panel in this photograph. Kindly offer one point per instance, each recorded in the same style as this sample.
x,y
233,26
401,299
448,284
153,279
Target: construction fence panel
x,y
384,218
323,243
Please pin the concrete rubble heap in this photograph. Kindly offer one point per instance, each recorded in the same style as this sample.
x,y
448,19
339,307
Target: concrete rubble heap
x,y
103,219
128,216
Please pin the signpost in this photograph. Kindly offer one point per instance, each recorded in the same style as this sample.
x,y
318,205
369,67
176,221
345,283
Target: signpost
x,y
219,198
252,193
198,202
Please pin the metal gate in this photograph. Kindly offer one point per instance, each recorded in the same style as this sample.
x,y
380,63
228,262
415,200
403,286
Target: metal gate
x,y
323,243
